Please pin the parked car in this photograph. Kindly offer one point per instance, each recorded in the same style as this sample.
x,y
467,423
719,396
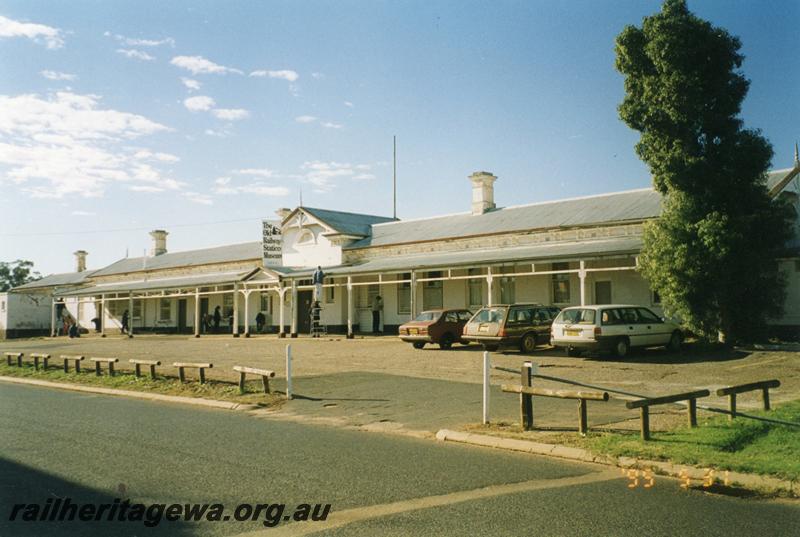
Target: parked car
x,y
516,325
436,326
615,327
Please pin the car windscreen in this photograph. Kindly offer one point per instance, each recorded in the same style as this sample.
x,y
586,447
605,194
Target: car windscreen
x,y
576,316
428,316
489,315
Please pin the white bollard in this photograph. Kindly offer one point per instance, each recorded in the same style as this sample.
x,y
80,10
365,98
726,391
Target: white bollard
x,y
288,371
487,367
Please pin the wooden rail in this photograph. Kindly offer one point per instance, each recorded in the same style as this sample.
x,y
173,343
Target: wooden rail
x,y
98,370
580,395
76,359
38,356
644,407
733,391
199,366
137,366
16,355
265,374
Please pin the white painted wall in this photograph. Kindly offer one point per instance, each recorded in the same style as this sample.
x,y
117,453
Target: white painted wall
x,y
19,311
318,252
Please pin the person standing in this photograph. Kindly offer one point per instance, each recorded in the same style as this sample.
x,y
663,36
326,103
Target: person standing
x,y
317,280
261,320
125,320
217,318
377,308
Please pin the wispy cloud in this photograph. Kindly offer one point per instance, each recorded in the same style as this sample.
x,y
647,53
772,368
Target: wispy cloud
x,y
230,114
56,75
324,175
199,65
66,144
225,186
348,104
260,172
191,84
82,213
146,154
197,197
317,76
285,74
39,33
305,119
136,54
199,103
136,42
329,125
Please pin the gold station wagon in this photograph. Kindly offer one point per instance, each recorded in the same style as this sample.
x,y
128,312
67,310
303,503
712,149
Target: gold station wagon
x,y
516,325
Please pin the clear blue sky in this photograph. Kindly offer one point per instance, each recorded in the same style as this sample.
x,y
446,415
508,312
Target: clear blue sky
x,y
137,115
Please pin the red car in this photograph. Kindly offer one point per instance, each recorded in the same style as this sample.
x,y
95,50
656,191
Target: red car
x,y
436,326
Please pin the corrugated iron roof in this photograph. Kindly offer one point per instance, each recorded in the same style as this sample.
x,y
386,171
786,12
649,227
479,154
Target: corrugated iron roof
x,y
347,223
200,280
634,205
245,251
540,252
55,280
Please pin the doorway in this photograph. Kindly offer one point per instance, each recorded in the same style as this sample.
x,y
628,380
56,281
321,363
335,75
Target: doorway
x,y
602,292
304,311
181,315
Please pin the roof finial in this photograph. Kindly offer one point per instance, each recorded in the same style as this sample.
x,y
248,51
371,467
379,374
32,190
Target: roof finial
x,y
796,156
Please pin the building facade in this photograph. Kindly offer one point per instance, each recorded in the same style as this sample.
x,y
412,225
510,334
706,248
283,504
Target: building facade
x,y
563,253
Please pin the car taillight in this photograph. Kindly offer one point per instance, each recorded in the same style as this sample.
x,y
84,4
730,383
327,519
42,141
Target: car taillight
x,y
502,332
598,331
423,330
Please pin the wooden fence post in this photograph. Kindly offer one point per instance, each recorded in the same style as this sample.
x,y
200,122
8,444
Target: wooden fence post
x,y
526,400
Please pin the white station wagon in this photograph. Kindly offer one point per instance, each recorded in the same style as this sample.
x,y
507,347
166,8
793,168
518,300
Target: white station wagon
x,y
612,327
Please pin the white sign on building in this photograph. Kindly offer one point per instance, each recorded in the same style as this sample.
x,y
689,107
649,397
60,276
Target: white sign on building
x,y
272,243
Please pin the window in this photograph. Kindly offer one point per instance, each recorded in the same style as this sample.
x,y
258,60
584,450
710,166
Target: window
x,y
577,316
164,309
520,316
404,294
137,309
655,298
647,316
610,317
464,315
602,292
2,305
367,299
330,294
490,315
451,317
227,305
266,303
432,291
560,284
475,289
507,291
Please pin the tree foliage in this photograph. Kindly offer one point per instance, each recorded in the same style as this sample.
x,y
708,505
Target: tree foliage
x,y
712,256
16,273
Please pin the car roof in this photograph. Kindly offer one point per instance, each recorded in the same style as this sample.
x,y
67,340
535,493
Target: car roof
x,y
516,304
605,306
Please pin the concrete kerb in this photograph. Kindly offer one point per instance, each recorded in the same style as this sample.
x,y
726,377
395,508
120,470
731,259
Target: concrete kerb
x,y
227,405
748,481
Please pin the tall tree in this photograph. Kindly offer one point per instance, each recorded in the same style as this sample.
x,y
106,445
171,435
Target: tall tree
x,y
712,256
16,273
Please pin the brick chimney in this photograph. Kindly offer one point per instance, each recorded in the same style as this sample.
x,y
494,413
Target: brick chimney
x,y
80,260
159,241
482,192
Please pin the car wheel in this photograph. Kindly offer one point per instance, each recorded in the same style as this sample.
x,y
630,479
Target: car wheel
x,y
528,343
446,342
573,352
675,342
490,348
621,347
418,345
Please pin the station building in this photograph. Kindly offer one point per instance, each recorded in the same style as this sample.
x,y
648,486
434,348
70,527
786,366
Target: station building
x,y
563,253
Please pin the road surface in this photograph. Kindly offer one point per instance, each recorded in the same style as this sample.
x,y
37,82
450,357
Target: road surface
x,y
92,449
